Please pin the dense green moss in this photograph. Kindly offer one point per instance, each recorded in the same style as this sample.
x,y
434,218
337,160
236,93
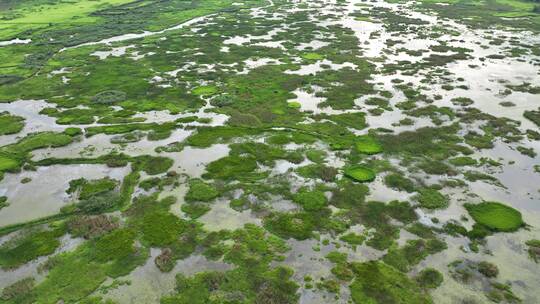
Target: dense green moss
x,y
376,282
310,200
412,253
252,281
10,124
322,172
463,161
360,173
368,145
431,199
496,216
87,189
27,247
290,225
200,191
154,165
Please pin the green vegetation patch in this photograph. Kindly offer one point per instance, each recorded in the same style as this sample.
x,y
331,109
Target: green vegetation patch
x,y
367,145
431,199
360,173
294,105
231,167
377,282
25,248
430,278
200,191
399,182
311,200
313,56
7,163
205,90
87,189
154,165
496,216
10,124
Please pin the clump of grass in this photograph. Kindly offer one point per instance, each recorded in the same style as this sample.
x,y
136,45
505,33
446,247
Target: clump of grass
x,y
311,200
534,249
10,124
200,191
399,182
431,199
377,282
28,247
154,165
430,278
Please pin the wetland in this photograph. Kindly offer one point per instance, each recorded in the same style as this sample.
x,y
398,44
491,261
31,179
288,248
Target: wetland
x,y
269,151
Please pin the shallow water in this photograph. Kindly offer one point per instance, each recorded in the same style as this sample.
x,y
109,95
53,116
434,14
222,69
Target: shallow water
x,y
45,194
486,80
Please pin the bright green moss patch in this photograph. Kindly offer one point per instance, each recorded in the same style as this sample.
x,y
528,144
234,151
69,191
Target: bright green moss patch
x,y
201,191
310,200
312,56
431,199
496,216
360,173
205,90
161,228
7,163
294,105
28,247
367,145
115,245
10,124
377,282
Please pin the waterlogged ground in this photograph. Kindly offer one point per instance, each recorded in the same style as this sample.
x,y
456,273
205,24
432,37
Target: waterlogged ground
x,y
269,151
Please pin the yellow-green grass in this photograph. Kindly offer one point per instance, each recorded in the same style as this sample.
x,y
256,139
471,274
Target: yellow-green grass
x,y
360,173
294,105
38,16
7,163
312,56
496,216
205,90
368,145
